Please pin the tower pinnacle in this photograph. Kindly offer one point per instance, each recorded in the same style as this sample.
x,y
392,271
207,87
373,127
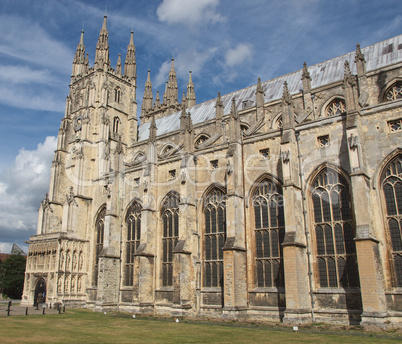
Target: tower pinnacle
x,y
79,65
190,97
102,48
130,64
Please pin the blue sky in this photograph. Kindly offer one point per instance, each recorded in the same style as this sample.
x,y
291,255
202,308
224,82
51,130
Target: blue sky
x,y
227,44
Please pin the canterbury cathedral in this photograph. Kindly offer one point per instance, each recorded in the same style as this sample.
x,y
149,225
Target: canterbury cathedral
x,y
277,202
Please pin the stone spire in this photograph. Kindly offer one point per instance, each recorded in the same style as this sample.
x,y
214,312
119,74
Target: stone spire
x,y
234,122
184,100
164,101
259,94
360,61
183,119
118,66
350,86
172,89
148,98
152,130
102,48
219,107
157,100
190,92
288,118
233,109
306,79
130,64
79,63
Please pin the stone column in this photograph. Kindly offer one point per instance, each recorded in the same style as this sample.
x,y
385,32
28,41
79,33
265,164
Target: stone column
x,y
298,299
234,252
183,270
367,246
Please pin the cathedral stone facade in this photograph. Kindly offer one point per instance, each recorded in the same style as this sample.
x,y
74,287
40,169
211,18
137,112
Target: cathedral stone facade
x,y
281,201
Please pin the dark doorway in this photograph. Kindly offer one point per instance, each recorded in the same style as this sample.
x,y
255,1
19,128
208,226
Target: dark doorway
x,y
40,292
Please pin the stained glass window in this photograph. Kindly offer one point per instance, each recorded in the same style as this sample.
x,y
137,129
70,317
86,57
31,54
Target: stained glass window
x,y
133,226
214,237
392,189
269,233
334,231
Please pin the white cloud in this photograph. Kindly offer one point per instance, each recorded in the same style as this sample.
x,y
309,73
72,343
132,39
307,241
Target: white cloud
x,y
29,42
238,55
22,187
189,60
162,76
189,12
5,247
31,97
25,75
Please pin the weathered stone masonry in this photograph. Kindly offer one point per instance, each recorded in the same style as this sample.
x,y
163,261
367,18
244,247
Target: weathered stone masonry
x,y
281,201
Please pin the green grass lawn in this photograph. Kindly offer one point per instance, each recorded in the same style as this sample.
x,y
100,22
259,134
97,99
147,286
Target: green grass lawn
x,y
85,326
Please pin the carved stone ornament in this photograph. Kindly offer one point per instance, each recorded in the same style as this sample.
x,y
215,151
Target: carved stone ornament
x,y
70,197
77,152
106,153
119,147
285,156
229,168
46,203
78,123
353,141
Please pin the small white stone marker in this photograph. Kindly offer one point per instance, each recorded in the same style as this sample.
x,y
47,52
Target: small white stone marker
x,y
104,313
133,316
295,328
177,319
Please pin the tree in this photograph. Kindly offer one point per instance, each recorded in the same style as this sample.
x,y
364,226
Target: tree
x,y
12,272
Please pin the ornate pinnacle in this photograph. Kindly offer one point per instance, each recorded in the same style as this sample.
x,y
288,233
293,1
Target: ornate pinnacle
x,y
233,110
152,130
259,86
305,73
218,101
286,97
348,77
359,55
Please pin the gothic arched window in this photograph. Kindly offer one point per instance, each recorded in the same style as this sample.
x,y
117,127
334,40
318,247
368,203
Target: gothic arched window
x,y
201,139
99,232
117,94
392,190
214,237
170,235
269,233
335,107
133,223
334,231
116,124
393,92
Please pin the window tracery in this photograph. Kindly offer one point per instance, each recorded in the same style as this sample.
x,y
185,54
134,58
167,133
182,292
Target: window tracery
x,y
392,191
334,231
269,234
201,139
133,223
117,94
116,124
170,236
394,92
214,237
335,107
99,230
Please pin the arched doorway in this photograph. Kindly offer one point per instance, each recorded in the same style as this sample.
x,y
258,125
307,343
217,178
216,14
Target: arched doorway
x,y
40,292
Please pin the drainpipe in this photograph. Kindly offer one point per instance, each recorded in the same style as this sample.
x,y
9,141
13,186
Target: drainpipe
x,y
198,287
306,232
244,215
